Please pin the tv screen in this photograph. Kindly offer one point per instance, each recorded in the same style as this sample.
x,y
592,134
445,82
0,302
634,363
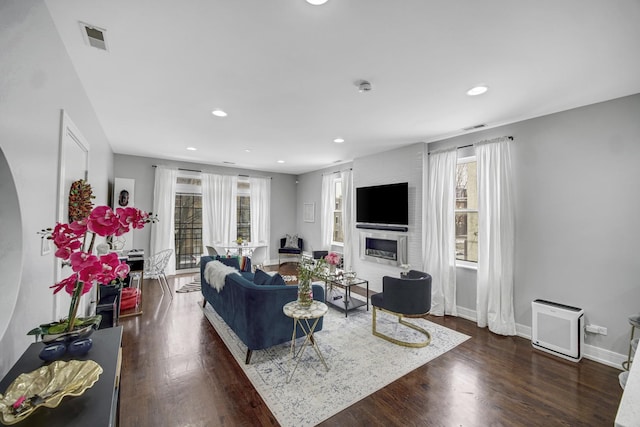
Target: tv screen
x,y
383,204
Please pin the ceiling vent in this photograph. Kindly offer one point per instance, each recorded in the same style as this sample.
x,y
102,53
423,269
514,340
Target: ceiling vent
x,y
475,127
94,36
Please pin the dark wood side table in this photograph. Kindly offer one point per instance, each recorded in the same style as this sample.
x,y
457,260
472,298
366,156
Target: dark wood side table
x,y
98,405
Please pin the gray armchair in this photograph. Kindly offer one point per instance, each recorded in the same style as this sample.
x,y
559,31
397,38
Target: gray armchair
x,y
406,296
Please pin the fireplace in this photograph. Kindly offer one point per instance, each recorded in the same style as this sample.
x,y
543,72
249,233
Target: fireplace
x,y
383,248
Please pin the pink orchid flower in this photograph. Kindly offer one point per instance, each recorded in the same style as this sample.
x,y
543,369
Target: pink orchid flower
x,y
132,217
103,221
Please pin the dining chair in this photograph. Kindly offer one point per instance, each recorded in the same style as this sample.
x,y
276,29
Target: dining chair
x,y
258,257
154,267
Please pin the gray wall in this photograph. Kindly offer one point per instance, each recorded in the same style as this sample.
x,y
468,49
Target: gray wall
x,y
401,165
309,190
576,176
404,164
283,194
37,80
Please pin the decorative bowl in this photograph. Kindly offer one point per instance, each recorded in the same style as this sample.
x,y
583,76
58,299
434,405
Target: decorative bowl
x,y
46,386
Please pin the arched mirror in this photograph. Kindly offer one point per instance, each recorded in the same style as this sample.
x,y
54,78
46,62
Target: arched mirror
x,y
10,244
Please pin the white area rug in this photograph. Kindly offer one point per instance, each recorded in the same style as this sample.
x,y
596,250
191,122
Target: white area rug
x,y
359,364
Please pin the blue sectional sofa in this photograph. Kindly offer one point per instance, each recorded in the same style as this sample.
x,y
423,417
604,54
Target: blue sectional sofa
x,y
254,312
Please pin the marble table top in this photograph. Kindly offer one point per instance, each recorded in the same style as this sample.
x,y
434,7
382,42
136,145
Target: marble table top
x,y
296,311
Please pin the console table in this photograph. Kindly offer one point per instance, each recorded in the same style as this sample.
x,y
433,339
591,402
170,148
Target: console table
x,y
98,405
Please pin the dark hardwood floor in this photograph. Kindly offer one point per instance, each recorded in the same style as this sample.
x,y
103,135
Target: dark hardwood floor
x,y
176,371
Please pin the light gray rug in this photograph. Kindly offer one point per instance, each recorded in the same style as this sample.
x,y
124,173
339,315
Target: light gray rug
x,y
359,364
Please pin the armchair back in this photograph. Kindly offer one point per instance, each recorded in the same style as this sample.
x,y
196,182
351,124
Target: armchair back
x,y
408,295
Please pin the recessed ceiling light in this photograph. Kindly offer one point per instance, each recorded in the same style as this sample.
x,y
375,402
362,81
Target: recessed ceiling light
x,y
219,113
316,2
280,161
247,150
477,90
338,140
191,148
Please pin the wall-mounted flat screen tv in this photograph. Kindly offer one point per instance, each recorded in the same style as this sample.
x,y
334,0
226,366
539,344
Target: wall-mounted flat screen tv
x,y
383,204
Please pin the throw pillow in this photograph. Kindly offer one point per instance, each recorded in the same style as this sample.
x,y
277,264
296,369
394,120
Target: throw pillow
x,y
277,280
291,242
241,263
261,278
231,262
245,263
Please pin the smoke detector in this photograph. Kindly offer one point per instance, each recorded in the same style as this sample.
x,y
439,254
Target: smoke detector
x,y
364,86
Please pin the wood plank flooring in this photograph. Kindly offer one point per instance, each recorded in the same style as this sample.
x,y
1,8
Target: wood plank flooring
x,y
176,371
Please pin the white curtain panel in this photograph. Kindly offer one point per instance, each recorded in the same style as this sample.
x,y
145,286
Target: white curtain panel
x,y
260,210
219,209
496,237
348,219
326,211
439,232
164,206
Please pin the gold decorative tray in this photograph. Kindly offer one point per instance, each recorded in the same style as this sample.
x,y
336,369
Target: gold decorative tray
x,y
46,386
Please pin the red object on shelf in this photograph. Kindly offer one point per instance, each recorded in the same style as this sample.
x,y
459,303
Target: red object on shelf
x,y
130,297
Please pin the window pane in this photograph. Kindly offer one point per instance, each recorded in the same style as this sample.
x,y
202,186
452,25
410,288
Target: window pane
x,y
188,230
338,233
466,186
467,236
244,218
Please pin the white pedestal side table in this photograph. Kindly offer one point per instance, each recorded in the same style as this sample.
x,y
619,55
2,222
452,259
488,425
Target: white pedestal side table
x,y
301,317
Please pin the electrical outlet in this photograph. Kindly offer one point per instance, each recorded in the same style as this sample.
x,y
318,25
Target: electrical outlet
x,y
592,329
595,329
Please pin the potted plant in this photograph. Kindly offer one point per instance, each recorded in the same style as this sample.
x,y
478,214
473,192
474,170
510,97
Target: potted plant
x,y
74,243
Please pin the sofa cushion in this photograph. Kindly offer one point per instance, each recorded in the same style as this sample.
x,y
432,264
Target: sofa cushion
x,y
263,278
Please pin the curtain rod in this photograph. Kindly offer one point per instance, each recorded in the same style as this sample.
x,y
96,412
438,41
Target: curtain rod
x,y
331,173
471,145
199,171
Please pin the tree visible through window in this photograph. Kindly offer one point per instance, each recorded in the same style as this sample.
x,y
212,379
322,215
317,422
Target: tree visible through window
x,y
466,210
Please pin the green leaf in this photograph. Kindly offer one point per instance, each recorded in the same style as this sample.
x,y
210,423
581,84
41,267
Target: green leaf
x,y
35,331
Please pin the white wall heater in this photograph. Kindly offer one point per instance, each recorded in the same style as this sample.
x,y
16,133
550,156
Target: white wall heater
x,y
557,329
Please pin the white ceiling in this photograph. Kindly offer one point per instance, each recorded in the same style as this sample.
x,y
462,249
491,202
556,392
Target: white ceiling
x,y
286,71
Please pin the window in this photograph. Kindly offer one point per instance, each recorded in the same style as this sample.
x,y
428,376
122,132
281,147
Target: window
x,y
188,217
338,231
188,221
466,210
244,209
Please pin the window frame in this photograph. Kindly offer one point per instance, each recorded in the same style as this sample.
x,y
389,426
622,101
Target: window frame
x,y
243,192
188,189
462,262
335,181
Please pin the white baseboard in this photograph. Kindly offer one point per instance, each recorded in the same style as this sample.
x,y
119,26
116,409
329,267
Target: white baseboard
x,y
597,354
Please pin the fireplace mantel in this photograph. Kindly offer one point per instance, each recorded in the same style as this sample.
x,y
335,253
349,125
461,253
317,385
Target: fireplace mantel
x,y
384,248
